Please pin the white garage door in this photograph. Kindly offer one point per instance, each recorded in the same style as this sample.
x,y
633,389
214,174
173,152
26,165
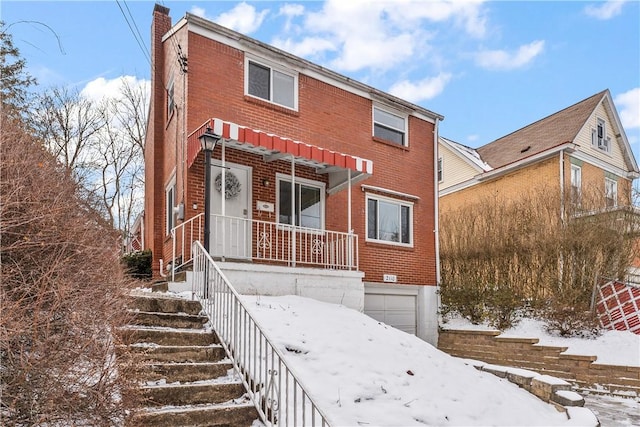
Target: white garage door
x,y
396,310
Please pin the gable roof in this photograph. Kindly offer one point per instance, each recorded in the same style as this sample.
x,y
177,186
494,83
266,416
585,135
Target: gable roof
x,y
468,154
552,131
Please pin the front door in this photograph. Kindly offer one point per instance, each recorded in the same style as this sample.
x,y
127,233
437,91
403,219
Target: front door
x,y
230,230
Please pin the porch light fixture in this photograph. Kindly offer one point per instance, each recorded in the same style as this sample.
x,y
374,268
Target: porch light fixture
x,y
208,141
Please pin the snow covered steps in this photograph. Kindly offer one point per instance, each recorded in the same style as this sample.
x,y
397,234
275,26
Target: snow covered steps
x,y
186,378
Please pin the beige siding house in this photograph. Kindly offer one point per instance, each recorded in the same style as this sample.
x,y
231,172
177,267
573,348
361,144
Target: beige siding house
x,y
580,149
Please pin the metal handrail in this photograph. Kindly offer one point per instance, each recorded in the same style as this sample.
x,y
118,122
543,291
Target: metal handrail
x,y
194,228
273,386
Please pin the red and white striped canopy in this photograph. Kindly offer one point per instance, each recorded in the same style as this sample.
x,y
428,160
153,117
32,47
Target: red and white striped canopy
x,y
259,142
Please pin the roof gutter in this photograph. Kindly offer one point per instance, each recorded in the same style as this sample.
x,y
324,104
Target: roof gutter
x,y
568,147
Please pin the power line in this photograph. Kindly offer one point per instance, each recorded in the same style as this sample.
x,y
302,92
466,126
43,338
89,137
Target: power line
x,y
145,52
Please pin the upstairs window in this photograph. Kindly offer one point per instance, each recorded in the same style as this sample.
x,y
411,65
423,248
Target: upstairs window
x,y
171,103
599,138
611,192
271,85
389,126
389,221
440,173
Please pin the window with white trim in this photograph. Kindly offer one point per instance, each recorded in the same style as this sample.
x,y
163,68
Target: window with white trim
x,y
170,203
171,103
389,220
599,138
271,84
389,126
309,202
611,192
440,171
576,184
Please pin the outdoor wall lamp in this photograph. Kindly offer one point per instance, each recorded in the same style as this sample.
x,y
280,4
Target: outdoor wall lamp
x,y
208,141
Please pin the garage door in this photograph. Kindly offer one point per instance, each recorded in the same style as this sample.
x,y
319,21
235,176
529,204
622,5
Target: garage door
x,y
398,311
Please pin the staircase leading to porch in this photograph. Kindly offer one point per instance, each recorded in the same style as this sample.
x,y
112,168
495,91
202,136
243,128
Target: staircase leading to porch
x,y
187,380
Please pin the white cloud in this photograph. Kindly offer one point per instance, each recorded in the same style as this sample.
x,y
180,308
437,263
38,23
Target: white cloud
x,y
242,18
101,88
472,138
422,90
198,11
605,10
628,104
503,60
308,47
290,11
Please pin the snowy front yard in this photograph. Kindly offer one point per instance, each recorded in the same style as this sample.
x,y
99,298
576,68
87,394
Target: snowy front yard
x,y
362,372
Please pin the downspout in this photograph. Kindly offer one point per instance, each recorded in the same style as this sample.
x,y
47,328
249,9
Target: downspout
x,y
223,197
293,211
562,217
436,207
349,226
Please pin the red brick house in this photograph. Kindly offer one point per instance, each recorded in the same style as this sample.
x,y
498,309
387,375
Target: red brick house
x,y
330,186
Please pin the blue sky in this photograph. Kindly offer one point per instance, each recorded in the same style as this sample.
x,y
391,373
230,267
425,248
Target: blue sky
x,y
489,67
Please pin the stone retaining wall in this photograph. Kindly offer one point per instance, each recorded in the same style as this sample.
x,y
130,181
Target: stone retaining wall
x,y
582,371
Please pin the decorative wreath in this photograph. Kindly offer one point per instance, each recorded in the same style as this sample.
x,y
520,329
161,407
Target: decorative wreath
x,y
232,187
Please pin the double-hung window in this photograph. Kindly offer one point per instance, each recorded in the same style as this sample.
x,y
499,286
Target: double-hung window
x,y
171,103
576,184
390,126
307,201
389,220
271,84
599,138
440,171
611,192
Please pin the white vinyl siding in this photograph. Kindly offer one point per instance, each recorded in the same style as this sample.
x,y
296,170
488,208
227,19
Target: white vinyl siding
x,y
455,170
584,140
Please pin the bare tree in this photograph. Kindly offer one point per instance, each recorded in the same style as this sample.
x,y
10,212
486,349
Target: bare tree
x,y
62,295
69,125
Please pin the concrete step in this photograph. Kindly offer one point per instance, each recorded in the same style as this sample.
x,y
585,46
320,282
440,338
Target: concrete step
x,y
240,414
184,372
172,320
179,354
191,394
158,302
168,336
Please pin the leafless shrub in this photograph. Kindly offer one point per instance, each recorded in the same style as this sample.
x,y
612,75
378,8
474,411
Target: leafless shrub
x,y
500,255
62,296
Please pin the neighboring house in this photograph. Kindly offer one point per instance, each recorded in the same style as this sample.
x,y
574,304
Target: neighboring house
x,y
330,184
581,153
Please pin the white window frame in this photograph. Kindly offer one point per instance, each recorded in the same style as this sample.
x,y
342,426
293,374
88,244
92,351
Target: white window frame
x,y
602,143
576,185
280,177
171,217
400,203
272,68
613,185
440,169
171,99
404,131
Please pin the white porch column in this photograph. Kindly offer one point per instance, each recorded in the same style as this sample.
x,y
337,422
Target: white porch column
x,y
223,197
293,211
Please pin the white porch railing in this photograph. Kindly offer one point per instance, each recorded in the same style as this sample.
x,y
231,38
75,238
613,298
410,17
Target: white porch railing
x,y
274,388
184,235
241,238
280,243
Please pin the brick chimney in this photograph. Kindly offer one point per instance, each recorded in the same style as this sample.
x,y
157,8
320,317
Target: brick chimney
x,y
154,145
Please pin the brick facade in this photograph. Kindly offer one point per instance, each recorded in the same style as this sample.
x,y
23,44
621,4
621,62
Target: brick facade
x,y
334,116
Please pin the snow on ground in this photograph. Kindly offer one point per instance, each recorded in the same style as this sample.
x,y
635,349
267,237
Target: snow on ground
x,y
611,348
362,372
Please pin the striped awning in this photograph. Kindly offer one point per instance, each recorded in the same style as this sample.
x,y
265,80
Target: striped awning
x,y
259,142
